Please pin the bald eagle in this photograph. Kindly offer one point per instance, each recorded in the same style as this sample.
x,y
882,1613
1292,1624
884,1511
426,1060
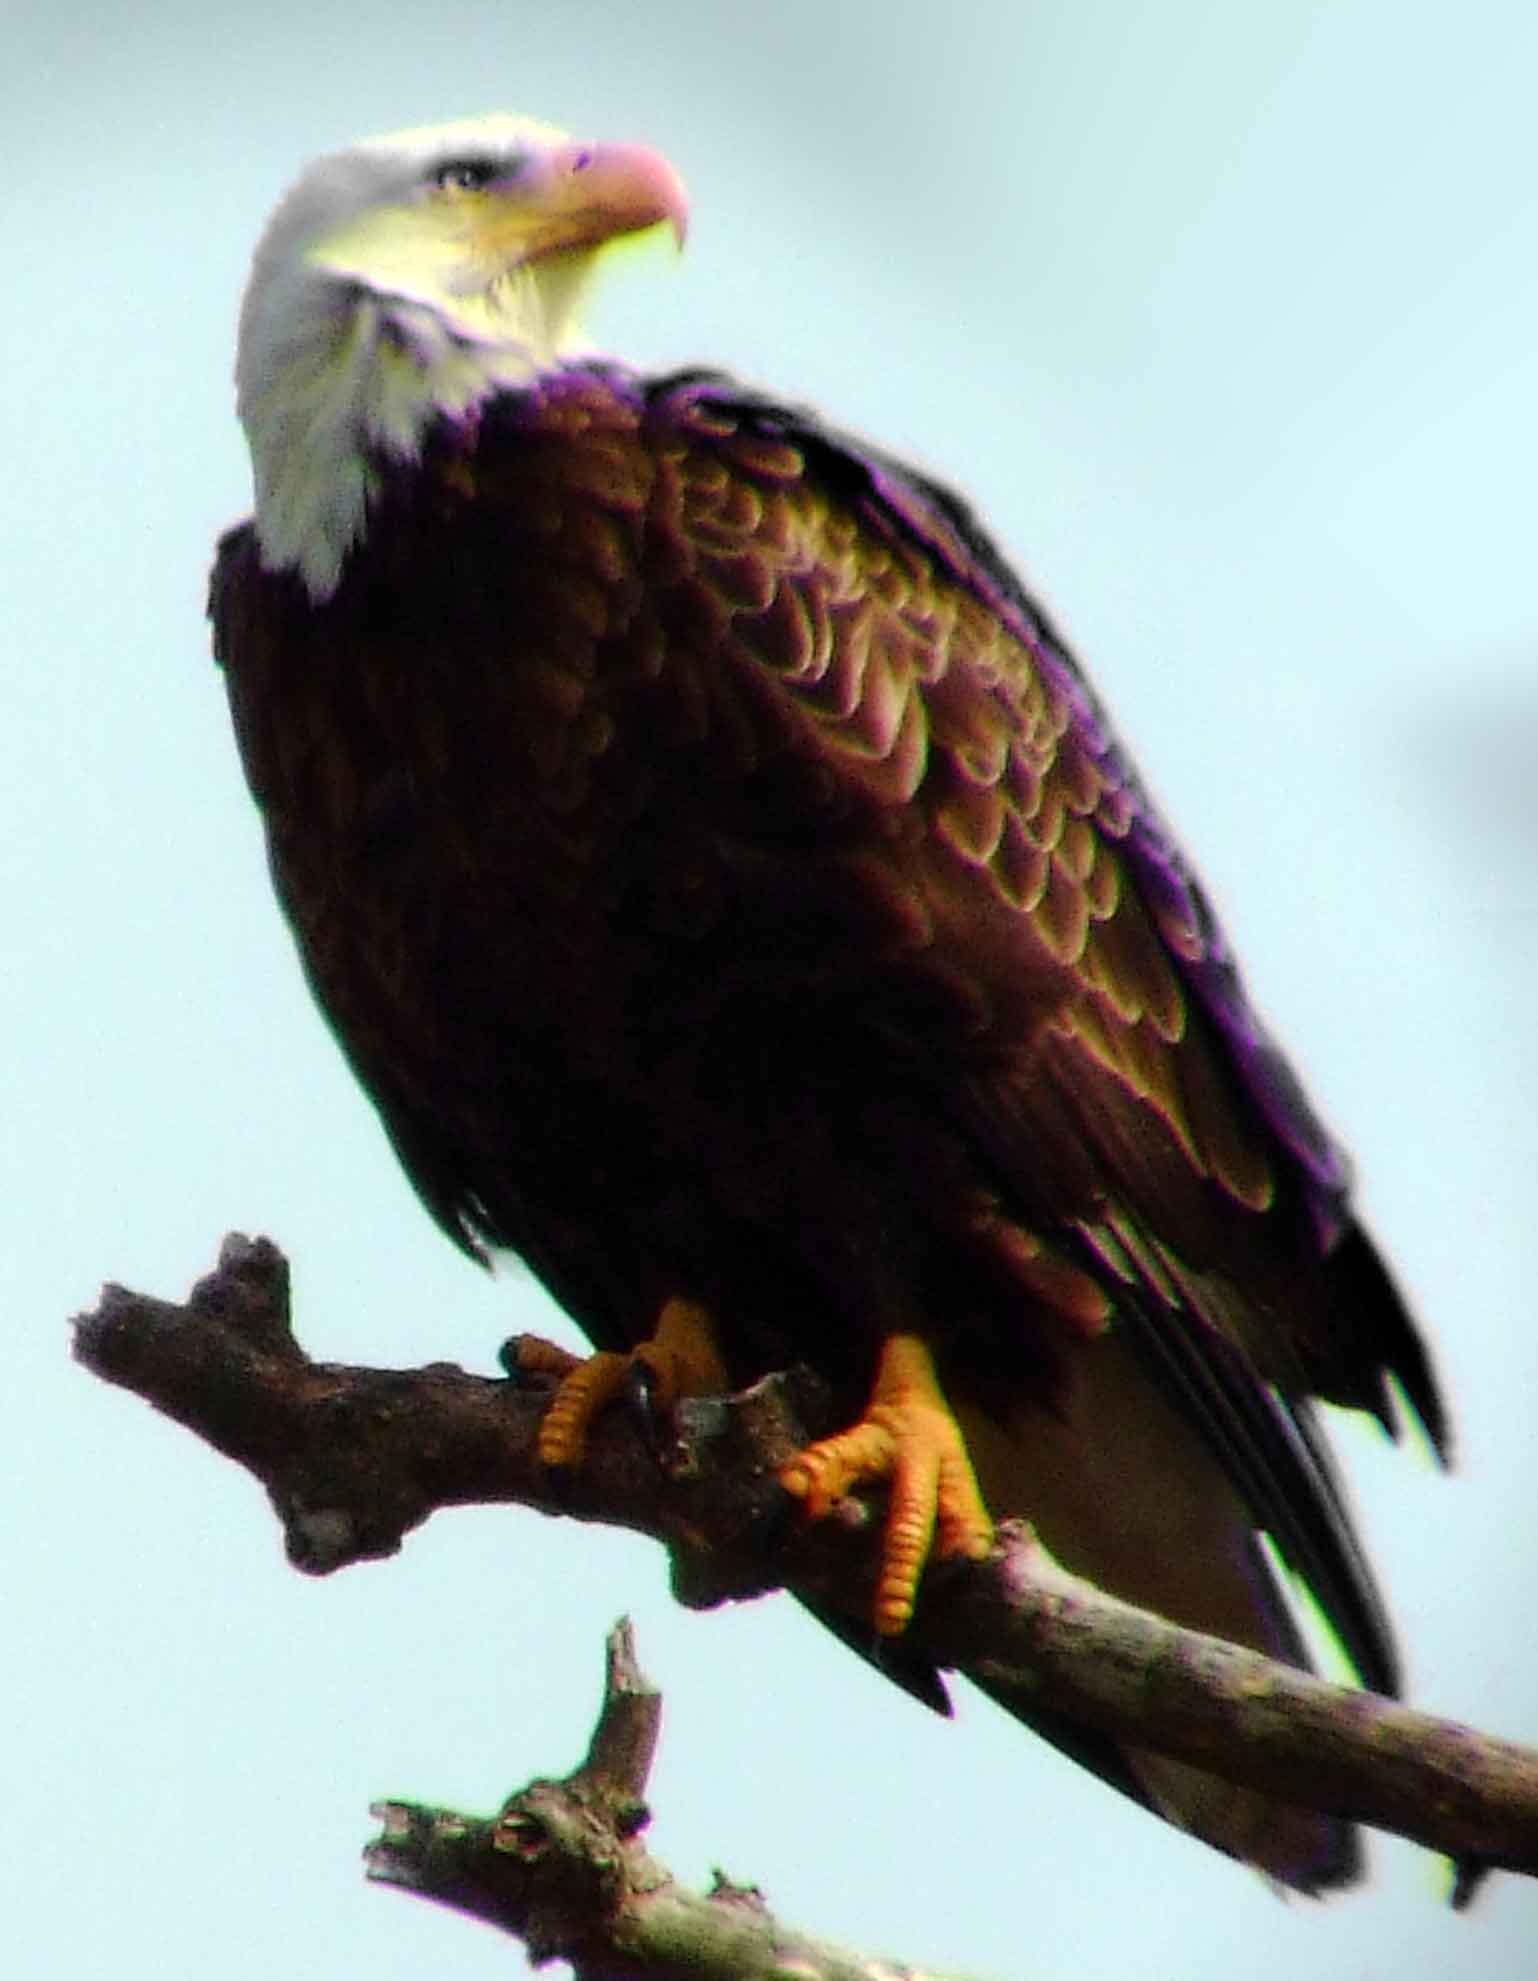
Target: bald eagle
x,y
735,901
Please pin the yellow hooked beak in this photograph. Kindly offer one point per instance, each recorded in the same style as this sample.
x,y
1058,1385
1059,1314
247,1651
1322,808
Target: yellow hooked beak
x,y
578,196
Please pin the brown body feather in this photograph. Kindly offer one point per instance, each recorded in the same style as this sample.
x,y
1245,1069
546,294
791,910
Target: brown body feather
x,y
723,888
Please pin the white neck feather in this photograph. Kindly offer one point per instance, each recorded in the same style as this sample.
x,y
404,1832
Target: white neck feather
x,y
332,376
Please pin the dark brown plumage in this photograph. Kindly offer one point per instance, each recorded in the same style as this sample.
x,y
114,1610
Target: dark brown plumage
x,y
726,886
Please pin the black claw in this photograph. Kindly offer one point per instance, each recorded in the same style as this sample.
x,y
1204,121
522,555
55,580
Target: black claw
x,y
512,1368
561,1479
652,1420
1469,1873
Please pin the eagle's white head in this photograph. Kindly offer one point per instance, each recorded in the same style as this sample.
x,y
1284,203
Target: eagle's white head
x,y
411,276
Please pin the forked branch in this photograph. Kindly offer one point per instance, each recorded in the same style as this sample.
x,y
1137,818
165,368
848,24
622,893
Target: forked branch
x,y
561,1866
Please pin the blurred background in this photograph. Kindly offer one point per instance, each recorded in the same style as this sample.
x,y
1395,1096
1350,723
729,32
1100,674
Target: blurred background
x,y
1225,316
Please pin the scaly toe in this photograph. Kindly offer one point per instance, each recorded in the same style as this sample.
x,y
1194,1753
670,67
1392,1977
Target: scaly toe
x,y
583,1393
533,1355
908,1437
680,1359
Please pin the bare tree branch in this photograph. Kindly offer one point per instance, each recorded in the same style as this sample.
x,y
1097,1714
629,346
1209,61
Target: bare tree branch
x,y
353,1459
562,1868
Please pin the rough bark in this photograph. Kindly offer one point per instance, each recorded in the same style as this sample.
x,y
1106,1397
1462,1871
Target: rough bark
x,y
353,1459
562,1868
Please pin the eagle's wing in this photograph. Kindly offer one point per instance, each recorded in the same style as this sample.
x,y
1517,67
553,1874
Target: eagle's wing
x,y
1133,1092
1142,1131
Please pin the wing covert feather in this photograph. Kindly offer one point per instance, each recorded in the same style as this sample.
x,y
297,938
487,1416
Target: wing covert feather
x,y
909,656
920,682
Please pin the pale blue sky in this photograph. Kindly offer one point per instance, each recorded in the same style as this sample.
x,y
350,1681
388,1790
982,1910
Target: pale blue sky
x,y
1225,315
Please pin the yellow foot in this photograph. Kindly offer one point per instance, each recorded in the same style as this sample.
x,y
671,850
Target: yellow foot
x,y
909,1436
681,1358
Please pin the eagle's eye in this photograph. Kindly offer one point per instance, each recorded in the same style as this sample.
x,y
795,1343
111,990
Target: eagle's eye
x,y
469,175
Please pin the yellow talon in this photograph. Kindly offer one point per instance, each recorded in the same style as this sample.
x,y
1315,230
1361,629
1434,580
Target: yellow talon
x,y
908,1436
681,1355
